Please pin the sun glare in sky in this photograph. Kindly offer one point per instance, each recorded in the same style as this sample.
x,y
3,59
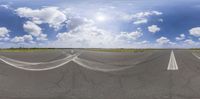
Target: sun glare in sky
x,y
101,17
118,23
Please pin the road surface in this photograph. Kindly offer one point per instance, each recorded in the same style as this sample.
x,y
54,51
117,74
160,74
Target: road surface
x,y
150,78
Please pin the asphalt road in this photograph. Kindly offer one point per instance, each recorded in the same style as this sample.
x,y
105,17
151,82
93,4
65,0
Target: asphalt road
x,y
148,79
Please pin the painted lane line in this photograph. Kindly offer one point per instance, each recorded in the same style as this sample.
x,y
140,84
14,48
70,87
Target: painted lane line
x,y
196,55
41,66
98,66
172,65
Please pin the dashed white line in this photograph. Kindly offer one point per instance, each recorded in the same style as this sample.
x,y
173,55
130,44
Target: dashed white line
x,y
172,65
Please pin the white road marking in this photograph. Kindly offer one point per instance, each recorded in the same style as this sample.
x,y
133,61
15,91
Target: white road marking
x,y
172,62
196,55
98,66
40,66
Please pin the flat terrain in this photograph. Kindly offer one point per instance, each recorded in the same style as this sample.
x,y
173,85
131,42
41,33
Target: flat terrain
x,y
103,75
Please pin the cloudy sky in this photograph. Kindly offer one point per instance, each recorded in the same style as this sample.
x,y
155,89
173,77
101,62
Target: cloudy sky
x,y
100,23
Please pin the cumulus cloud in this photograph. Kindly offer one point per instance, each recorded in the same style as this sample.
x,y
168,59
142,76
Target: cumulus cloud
x,y
5,6
181,37
4,32
77,21
5,39
130,36
153,28
163,40
146,14
195,31
34,30
81,30
86,35
51,15
141,17
22,39
189,41
42,37
140,21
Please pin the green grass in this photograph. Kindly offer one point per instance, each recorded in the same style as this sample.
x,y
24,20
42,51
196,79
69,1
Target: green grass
x,y
119,50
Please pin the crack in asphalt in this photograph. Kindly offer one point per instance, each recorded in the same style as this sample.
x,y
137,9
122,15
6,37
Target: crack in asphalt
x,y
57,83
85,76
73,76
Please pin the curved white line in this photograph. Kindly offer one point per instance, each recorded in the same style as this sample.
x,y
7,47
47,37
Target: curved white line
x,y
97,66
37,66
23,63
41,66
13,61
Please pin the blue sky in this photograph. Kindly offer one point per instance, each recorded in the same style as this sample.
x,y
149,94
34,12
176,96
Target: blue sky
x,y
100,23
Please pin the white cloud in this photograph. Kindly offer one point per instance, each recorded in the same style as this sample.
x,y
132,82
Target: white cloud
x,y
4,34
42,37
77,21
51,15
22,39
190,42
5,39
34,30
153,28
146,14
86,35
141,17
5,6
163,40
130,36
181,37
195,31
140,21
